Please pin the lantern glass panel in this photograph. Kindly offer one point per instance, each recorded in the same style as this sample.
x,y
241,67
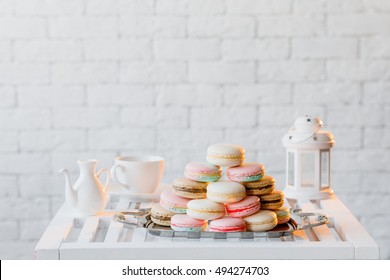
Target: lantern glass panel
x,y
307,169
291,163
325,168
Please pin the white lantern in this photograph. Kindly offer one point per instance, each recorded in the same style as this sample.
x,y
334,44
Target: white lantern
x,y
308,160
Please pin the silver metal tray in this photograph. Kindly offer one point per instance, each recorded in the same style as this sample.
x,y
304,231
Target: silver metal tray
x,y
299,221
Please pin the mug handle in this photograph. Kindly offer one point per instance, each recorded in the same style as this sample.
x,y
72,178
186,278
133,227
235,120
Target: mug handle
x,y
113,174
104,170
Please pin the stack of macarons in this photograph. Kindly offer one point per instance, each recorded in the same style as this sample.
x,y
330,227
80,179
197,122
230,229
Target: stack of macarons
x,y
201,201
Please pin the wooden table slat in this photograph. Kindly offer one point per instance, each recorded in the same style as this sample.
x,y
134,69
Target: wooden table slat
x,y
89,229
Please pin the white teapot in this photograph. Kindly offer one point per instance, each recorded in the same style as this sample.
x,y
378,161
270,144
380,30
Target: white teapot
x,y
88,195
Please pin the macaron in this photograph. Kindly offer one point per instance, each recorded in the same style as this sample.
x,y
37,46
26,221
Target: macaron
x,y
202,172
261,187
246,207
247,172
227,224
171,202
160,216
272,201
225,154
183,222
283,215
205,209
225,192
185,187
261,221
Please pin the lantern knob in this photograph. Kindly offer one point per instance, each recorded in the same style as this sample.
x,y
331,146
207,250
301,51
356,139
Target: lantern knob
x,y
308,124
307,133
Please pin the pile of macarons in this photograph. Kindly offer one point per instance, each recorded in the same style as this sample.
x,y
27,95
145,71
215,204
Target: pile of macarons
x,y
200,201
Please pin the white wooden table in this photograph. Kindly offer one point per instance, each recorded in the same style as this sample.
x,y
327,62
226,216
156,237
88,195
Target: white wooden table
x,y
99,237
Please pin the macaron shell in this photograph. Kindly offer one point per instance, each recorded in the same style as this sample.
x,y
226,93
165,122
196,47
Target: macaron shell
x,y
225,154
183,222
160,216
187,188
246,207
171,202
227,224
283,215
275,195
205,209
261,221
247,172
202,172
225,162
225,192
264,186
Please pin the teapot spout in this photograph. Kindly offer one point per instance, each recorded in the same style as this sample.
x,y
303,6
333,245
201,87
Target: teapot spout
x,y
70,193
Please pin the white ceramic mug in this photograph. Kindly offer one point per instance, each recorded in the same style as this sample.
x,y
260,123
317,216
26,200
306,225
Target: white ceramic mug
x,y
138,174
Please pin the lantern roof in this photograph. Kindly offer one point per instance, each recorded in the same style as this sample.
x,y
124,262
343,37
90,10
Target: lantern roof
x,y
307,133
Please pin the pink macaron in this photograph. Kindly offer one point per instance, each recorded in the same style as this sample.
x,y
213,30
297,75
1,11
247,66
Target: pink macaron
x,y
202,172
227,224
183,222
174,203
248,172
246,207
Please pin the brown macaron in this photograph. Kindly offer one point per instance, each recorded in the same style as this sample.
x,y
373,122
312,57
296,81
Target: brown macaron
x,y
185,187
272,201
261,187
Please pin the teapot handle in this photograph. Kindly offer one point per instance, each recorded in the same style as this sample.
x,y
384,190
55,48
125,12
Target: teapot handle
x,y
104,170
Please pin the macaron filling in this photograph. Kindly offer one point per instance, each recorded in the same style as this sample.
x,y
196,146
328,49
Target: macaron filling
x,y
189,189
263,223
203,176
243,209
228,196
272,201
275,197
181,227
160,217
246,178
173,208
206,211
208,214
254,191
226,156
188,228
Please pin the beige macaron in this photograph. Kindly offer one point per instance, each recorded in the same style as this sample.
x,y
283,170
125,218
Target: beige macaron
x,y
160,216
261,221
225,191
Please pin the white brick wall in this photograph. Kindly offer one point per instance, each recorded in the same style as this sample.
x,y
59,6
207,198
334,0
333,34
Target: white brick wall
x,y
98,78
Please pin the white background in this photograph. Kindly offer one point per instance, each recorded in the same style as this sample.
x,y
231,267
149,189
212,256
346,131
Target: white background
x,y
98,78
321,270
